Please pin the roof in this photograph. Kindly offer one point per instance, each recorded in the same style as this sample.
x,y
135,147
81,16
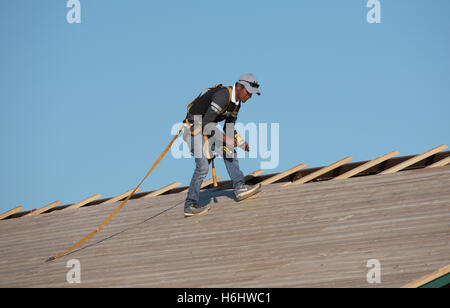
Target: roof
x,y
311,235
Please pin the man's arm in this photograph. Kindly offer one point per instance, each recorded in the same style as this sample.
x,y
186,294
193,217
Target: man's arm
x,y
232,134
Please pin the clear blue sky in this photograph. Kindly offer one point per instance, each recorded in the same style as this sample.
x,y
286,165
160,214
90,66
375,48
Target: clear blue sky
x,y
87,108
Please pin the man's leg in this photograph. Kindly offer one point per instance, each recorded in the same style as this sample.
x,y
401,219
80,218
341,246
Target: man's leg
x,y
241,190
235,173
200,172
191,206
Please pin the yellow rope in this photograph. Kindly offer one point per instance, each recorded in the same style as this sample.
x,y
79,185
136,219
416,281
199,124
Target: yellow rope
x,y
111,216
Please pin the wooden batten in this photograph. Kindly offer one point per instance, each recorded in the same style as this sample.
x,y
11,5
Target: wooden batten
x,y
10,212
120,197
44,208
162,190
281,175
255,173
367,165
84,202
320,172
414,159
440,163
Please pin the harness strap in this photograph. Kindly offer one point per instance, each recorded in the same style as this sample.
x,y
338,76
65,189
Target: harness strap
x,y
194,130
200,94
230,92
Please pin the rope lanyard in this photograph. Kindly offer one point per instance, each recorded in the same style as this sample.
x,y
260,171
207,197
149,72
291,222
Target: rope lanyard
x,y
111,216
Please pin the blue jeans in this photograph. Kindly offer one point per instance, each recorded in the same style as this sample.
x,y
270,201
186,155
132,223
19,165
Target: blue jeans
x,y
202,166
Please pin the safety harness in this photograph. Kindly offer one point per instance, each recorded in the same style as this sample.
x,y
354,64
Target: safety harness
x,y
195,130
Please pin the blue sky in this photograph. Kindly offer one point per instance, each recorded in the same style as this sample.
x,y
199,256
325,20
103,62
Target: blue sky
x,y
87,108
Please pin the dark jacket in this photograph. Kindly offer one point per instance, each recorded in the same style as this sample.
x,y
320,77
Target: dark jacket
x,y
211,107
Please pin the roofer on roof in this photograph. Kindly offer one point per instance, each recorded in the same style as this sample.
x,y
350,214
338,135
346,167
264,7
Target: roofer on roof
x,y
205,141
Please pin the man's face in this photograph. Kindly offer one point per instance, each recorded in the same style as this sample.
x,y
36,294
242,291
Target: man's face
x,y
243,94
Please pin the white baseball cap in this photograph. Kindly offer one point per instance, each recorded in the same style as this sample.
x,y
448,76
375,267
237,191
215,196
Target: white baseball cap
x,y
250,83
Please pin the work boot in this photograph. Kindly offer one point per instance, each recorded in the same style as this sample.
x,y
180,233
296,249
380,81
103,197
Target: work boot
x,y
244,191
194,209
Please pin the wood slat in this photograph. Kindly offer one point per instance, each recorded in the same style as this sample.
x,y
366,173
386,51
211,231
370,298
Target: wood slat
x,y
246,178
255,173
441,163
44,208
162,190
282,174
415,159
429,277
367,165
10,212
84,202
120,197
320,172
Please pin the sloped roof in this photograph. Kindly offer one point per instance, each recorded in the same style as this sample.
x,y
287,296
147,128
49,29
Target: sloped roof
x,y
310,235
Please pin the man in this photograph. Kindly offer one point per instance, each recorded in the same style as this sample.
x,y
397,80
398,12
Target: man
x,y
205,141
